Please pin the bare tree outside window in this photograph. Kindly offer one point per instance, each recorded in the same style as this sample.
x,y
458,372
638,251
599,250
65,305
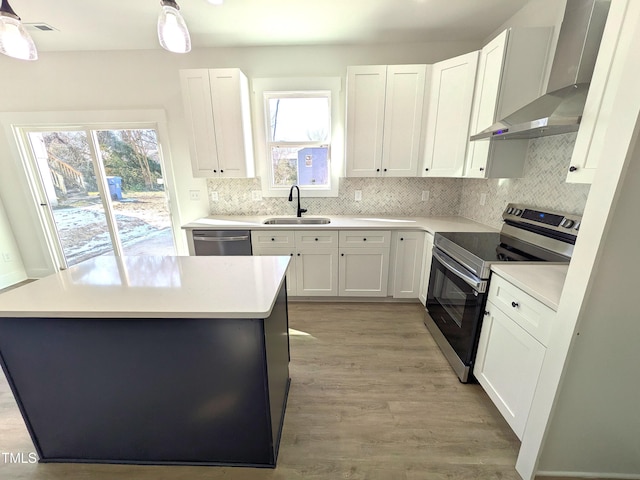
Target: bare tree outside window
x,y
299,138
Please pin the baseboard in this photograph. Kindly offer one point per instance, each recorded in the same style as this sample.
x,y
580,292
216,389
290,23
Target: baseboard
x,y
586,475
354,299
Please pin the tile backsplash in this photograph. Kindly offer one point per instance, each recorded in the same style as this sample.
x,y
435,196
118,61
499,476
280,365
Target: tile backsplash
x,y
543,185
382,196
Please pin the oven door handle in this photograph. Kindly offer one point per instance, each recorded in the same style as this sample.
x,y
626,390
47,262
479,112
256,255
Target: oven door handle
x,y
477,284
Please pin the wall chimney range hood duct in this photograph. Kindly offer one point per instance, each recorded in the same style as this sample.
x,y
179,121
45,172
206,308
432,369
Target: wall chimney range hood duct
x,y
560,109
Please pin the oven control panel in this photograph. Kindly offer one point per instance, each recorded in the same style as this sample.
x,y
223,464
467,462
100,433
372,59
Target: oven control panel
x,y
562,222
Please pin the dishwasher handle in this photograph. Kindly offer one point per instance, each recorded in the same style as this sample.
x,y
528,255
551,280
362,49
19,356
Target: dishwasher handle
x,y
220,239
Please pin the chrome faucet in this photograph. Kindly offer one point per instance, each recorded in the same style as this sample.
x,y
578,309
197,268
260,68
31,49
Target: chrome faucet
x,y
300,210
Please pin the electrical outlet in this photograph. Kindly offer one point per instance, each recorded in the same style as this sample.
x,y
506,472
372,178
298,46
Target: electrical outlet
x,y
194,195
6,257
256,195
483,198
214,196
425,195
358,196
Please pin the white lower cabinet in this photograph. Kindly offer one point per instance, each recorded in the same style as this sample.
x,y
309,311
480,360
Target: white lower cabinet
x,y
406,259
364,272
317,271
426,267
510,357
316,263
364,263
313,270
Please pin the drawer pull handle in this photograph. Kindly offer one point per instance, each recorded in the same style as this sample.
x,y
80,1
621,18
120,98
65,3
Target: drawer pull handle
x,y
515,304
364,239
298,254
486,312
316,239
402,239
273,239
342,254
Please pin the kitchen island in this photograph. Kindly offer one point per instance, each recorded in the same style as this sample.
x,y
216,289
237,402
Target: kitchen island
x,y
152,360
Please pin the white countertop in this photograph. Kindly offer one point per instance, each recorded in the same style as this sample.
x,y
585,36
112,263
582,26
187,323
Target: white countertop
x,y
353,222
543,282
153,287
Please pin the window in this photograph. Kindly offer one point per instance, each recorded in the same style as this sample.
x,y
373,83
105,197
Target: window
x,y
298,132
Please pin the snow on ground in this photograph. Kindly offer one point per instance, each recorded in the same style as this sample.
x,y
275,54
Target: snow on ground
x,y
143,225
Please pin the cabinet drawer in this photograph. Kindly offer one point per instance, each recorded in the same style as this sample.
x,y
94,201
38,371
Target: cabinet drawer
x,y
317,237
273,238
365,238
532,315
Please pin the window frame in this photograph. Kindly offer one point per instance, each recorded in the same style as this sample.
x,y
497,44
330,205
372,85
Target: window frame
x,y
265,88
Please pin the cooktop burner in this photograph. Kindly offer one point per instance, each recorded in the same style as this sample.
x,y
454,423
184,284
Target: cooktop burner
x,y
527,235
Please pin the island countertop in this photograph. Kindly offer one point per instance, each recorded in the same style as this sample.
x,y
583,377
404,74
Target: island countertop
x,y
153,287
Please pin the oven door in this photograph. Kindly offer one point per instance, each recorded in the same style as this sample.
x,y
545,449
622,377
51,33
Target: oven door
x,y
455,302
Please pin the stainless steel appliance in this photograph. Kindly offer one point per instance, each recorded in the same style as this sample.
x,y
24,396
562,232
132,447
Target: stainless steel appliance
x,y
222,242
460,273
560,110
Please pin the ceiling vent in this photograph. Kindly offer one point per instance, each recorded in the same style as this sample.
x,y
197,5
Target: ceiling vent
x,y
43,27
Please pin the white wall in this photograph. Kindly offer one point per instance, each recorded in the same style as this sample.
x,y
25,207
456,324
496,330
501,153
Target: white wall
x,y
596,424
11,268
584,419
78,81
536,13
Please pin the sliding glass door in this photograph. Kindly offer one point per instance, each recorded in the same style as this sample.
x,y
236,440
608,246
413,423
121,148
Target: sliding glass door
x,y
102,192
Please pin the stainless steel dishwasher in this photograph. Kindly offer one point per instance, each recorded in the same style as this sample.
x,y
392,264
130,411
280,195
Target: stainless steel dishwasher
x,y
222,242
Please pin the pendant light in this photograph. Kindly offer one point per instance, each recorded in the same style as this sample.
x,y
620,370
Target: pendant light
x,y
15,41
172,31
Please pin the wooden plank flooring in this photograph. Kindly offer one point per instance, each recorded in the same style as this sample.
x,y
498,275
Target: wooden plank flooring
x,y
371,398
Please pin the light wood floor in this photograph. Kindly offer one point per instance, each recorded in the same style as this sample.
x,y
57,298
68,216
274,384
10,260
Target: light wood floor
x,y
371,398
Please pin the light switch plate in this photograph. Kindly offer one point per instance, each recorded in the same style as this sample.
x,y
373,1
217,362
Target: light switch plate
x,y
358,196
483,198
425,195
214,196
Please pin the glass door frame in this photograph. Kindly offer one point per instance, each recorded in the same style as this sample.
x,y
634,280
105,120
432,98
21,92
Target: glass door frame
x,y
115,120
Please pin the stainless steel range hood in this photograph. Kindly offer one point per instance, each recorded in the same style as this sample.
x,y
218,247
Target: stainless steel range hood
x,y
560,109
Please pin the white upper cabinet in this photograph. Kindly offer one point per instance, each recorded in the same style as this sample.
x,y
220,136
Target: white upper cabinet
x,y
611,70
217,114
512,71
384,120
449,103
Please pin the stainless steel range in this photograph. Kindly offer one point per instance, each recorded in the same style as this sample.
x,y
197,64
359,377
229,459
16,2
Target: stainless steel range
x,y
461,271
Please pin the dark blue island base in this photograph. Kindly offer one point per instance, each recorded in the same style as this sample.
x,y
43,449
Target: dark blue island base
x,y
152,390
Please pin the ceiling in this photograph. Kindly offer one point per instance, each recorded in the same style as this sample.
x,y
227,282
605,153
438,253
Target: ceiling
x,y
131,24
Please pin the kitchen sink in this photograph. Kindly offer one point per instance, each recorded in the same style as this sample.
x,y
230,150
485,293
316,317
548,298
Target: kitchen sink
x,y
297,221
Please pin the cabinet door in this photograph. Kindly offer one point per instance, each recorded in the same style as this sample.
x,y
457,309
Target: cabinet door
x,y
230,103
507,366
449,114
485,102
196,95
365,120
291,269
317,271
364,272
611,75
407,265
426,268
404,102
